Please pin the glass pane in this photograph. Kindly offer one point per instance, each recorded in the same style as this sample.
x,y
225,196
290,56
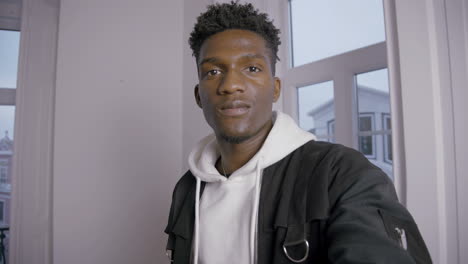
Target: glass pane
x,y
365,123
324,28
9,50
317,110
7,121
7,117
375,130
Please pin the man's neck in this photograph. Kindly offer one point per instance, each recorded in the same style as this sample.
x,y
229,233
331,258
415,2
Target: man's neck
x,y
234,156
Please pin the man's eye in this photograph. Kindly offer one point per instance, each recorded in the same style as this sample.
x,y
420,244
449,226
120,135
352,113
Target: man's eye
x,y
213,72
254,69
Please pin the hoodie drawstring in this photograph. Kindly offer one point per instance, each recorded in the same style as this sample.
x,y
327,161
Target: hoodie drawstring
x,y
253,221
197,220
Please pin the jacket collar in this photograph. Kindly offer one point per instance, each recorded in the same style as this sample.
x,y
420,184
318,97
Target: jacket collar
x,y
303,197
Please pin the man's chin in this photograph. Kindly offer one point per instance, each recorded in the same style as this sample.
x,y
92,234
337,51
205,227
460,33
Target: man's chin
x,y
234,139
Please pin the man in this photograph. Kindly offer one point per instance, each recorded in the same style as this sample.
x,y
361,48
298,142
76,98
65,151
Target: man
x,y
260,189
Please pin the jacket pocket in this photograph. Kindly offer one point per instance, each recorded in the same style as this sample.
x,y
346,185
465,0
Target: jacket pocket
x,y
406,234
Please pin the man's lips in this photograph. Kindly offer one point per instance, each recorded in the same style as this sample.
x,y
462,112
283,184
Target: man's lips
x,y
233,108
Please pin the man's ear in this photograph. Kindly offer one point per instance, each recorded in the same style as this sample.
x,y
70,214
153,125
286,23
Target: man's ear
x,y
277,89
197,96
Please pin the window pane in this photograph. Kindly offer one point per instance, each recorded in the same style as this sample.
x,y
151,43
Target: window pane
x,y
317,110
365,123
7,116
324,28
7,121
9,50
375,135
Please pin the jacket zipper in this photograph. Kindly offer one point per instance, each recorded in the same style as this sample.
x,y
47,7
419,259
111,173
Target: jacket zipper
x,y
402,234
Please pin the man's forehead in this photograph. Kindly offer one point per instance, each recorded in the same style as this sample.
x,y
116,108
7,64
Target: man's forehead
x,y
242,43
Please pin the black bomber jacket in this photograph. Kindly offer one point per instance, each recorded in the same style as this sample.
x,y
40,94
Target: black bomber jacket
x,y
323,203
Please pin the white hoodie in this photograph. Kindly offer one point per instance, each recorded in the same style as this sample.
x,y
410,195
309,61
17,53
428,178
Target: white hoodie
x,y
227,215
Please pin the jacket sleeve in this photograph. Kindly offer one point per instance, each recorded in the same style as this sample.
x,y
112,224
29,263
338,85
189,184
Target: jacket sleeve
x,y
170,246
367,224
170,223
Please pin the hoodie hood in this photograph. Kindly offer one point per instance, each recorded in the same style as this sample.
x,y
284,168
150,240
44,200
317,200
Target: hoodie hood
x,y
284,137
239,194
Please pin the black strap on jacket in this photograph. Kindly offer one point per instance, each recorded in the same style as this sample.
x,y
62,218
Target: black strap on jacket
x,y
296,246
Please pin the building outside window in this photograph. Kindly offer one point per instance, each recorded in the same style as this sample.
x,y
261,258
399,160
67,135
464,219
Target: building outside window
x,y
373,105
3,172
317,101
2,211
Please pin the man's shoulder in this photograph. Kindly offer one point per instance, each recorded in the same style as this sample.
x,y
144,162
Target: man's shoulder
x,y
340,164
333,151
185,182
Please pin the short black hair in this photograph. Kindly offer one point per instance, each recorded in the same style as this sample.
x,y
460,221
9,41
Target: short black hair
x,y
220,17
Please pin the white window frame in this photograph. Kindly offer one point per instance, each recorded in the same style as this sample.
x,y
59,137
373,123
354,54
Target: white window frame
x,y
342,69
31,202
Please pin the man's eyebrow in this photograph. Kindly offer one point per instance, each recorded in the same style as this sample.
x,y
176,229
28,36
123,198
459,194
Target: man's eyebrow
x,y
254,56
246,56
206,60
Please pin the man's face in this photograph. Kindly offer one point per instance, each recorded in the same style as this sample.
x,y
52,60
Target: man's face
x,y
236,87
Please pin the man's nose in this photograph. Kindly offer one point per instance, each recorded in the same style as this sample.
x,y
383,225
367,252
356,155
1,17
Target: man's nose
x,y
232,83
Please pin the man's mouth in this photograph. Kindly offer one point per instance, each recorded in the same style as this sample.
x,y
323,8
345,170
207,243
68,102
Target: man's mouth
x,y
234,108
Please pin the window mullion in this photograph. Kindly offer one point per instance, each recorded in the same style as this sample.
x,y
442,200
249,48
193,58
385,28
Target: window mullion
x,y
345,109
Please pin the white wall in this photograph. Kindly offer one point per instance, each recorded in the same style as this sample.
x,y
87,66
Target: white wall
x,y
435,120
118,129
195,126
419,123
457,21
